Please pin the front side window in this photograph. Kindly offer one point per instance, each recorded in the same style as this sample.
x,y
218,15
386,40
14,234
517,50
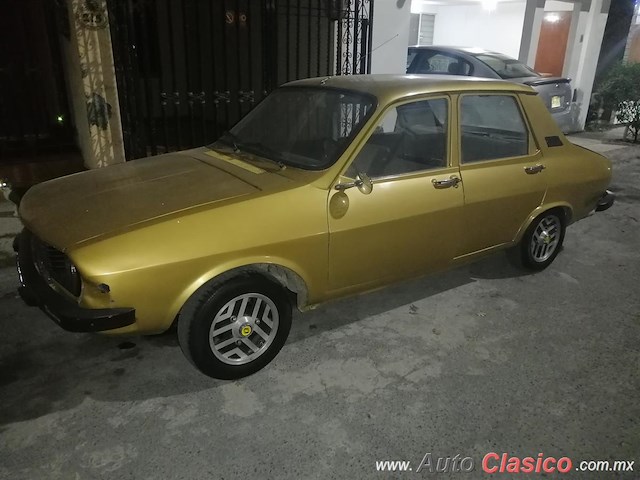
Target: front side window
x,y
492,127
409,138
305,127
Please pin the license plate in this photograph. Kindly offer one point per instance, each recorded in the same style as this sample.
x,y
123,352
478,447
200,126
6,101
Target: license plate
x,y
556,101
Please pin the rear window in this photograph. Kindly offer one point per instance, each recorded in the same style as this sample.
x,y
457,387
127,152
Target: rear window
x,y
506,67
411,54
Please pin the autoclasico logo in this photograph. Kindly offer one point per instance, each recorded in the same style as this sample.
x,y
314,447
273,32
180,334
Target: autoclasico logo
x,y
494,462
446,464
504,463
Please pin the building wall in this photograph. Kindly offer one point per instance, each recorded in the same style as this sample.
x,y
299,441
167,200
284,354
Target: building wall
x,y
391,19
473,26
632,49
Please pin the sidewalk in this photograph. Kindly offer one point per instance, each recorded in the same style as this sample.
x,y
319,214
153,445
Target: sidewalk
x,y
10,226
600,141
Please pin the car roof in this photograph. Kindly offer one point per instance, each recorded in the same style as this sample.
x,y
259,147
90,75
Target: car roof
x,y
390,86
450,49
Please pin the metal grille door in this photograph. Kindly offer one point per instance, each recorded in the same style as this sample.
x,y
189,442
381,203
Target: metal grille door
x,y
189,69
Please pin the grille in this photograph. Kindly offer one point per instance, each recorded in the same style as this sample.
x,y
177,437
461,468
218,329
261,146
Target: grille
x,y
55,266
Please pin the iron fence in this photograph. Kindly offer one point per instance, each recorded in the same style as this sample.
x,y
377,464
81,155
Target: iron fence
x,y
187,70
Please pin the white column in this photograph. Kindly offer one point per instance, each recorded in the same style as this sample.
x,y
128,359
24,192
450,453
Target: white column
x,y
92,84
390,36
534,12
596,20
573,41
635,26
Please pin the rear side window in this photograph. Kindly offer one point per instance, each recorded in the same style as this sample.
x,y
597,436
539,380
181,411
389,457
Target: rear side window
x,y
507,67
440,63
492,127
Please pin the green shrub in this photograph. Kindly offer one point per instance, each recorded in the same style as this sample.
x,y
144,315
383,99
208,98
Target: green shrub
x,y
620,90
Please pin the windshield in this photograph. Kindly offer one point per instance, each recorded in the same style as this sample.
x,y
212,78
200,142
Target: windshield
x,y
506,67
304,127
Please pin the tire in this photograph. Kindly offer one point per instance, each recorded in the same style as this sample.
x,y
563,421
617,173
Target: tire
x,y
233,329
542,241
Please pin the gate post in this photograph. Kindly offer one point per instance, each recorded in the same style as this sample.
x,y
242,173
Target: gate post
x,y
92,83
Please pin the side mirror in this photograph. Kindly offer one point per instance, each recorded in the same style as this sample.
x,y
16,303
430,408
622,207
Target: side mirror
x,y
363,182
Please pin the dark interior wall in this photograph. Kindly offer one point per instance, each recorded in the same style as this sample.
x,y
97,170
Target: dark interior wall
x,y
34,112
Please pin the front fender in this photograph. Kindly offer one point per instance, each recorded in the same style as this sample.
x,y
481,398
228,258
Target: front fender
x,y
159,292
284,271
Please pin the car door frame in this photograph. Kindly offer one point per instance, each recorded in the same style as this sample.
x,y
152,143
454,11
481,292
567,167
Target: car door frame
x,y
337,201
533,157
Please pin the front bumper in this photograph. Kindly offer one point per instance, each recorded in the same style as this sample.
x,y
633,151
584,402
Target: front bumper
x,y
36,292
605,201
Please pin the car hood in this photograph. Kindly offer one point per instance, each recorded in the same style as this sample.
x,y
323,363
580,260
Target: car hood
x,y
73,209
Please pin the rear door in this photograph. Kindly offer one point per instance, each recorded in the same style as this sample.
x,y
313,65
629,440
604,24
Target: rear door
x,y
502,170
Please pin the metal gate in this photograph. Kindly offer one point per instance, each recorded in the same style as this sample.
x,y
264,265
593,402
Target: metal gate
x,y
189,69
34,112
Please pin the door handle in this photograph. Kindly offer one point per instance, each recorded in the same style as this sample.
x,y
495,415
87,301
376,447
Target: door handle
x,y
533,169
452,181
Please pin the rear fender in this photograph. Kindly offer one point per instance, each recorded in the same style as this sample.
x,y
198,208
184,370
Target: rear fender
x,y
567,211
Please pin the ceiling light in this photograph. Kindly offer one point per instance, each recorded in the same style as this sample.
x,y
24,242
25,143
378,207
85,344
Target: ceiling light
x,y
552,17
489,5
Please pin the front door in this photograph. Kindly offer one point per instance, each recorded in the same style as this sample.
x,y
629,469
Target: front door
x,y
411,220
502,170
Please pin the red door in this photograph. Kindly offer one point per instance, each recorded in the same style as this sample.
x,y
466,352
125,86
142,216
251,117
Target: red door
x,y
552,45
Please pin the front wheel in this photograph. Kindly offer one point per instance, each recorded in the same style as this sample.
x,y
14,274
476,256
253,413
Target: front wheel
x,y
542,241
235,328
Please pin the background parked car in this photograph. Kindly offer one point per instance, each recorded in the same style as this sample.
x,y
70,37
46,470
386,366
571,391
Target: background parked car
x,y
556,92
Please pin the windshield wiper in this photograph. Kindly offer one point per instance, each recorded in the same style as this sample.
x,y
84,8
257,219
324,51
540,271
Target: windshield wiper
x,y
265,152
255,148
231,139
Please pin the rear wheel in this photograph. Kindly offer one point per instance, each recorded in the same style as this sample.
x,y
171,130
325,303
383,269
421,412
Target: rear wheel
x,y
542,241
235,328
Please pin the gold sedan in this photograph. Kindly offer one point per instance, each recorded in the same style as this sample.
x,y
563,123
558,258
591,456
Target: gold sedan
x,y
329,187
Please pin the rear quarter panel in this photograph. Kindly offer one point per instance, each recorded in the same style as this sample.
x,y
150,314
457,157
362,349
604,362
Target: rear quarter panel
x,y
577,177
